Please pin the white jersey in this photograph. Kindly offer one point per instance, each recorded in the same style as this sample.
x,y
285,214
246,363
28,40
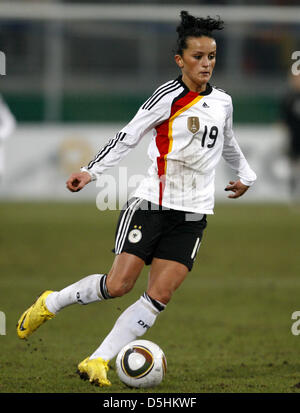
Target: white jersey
x,y
191,132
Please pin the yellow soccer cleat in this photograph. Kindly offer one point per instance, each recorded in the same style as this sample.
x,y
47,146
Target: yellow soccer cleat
x,y
95,370
34,316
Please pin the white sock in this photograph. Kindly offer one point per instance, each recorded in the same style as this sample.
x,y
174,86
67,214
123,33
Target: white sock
x,y
87,290
132,323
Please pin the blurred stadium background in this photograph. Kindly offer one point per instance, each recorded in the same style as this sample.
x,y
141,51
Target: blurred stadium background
x,y
77,72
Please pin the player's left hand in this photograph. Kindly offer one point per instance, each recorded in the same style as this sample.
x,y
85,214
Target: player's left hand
x,y
237,187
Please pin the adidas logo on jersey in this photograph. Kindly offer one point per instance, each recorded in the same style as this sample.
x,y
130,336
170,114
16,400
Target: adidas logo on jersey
x,y
205,105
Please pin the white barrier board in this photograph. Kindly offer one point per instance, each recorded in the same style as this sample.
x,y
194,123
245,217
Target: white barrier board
x,y
39,159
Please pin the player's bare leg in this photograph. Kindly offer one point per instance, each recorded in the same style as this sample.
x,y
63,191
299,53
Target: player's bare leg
x,y
164,278
123,274
121,278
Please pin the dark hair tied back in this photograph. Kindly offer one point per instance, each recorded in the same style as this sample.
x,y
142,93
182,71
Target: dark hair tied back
x,y
191,26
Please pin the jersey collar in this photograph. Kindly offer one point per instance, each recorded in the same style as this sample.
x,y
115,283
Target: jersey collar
x,y
206,92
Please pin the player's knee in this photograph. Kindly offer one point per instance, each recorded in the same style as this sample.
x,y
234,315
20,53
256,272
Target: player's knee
x,y
119,288
163,296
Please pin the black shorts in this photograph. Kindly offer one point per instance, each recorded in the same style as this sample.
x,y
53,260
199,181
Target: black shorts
x,y
147,230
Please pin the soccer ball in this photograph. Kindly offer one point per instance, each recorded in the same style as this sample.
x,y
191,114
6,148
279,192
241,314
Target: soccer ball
x,y
141,363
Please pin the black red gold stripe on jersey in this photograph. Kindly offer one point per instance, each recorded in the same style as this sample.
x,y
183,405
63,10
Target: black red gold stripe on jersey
x,y
164,134
107,148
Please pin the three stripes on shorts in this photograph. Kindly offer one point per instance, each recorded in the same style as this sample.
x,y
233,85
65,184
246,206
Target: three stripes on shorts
x,y
124,224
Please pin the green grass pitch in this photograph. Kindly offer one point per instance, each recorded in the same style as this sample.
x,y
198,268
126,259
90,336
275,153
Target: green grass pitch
x,y
227,328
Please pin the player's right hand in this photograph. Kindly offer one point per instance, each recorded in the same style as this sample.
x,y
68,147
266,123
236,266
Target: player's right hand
x,y
78,180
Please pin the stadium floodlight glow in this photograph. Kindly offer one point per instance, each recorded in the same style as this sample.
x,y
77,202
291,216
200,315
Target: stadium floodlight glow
x,y
139,12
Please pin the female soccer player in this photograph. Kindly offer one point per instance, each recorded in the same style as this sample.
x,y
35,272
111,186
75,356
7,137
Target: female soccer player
x,y
162,224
